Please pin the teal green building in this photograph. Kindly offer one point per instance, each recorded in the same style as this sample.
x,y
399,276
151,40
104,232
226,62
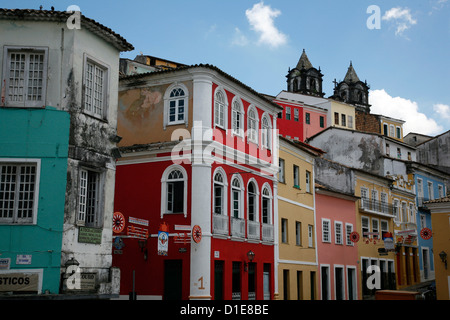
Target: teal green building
x,y
33,176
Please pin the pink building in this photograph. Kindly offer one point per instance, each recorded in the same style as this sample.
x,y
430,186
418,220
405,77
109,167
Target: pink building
x,y
337,253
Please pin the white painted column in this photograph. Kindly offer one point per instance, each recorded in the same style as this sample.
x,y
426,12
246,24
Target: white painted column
x,y
200,272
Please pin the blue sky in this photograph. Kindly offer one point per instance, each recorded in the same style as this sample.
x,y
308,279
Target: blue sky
x,y
405,59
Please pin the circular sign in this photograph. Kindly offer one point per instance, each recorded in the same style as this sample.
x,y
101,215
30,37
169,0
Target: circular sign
x,y
354,236
197,233
425,233
118,222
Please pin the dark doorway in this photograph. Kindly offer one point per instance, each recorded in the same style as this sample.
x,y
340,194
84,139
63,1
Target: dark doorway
x,y
218,280
173,279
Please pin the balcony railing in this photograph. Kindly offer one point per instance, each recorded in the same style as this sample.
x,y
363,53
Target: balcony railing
x,y
220,224
237,227
376,206
253,229
267,232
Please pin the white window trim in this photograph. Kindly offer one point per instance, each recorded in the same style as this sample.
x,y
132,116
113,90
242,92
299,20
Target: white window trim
x,y
164,181
81,221
348,231
5,77
298,233
378,228
256,133
270,197
327,221
37,162
266,133
241,196
310,236
337,235
225,109
224,188
241,130
368,226
167,100
106,69
256,202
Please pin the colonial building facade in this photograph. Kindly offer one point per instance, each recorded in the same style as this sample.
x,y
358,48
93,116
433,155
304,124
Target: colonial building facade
x,y
198,160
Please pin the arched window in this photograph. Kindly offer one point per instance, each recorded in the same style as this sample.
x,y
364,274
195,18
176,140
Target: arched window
x,y
174,190
266,205
266,129
220,109
176,105
237,117
219,193
236,198
252,127
252,202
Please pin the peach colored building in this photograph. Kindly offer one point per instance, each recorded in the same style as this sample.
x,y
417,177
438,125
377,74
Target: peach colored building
x,y
337,253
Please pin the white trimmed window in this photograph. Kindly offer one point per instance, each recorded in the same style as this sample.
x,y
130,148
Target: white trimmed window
x,y
252,127
310,235
236,197
220,109
25,76
376,228
348,231
90,195
338,232
219,193
176,100
252,201
266,129
237,117
95,86
326,230
266,205
174,190
19,188
365,226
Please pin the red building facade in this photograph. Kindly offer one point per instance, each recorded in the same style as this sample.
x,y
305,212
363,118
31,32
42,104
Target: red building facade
x,y
196,162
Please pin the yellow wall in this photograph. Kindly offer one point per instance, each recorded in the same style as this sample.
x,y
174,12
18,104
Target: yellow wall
x,y
296,205
440,222
392,122
342,108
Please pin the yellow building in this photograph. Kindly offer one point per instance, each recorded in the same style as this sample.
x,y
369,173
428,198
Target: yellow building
x,y
342,115
440,224
391,127
296,258
374,222
405,230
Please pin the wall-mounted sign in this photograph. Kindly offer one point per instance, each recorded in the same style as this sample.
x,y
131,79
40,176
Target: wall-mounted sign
x,y
425,233
354,236
23,259
163,243
89,235
13,282
141,222
197,233
5,263
118,222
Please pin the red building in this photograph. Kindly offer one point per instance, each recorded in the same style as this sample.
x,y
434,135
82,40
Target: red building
x,y
196,162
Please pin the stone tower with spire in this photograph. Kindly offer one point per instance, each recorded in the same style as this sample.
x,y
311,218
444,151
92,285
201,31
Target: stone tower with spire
x,y
304,78
352,91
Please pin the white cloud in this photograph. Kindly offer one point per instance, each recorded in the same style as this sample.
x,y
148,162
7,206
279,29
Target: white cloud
x,y
261,18
239,39
401,17
403,109
442,110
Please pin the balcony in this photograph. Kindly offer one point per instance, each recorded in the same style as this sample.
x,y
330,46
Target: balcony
x,y
253,228
376,207
267,232
237,227
220,224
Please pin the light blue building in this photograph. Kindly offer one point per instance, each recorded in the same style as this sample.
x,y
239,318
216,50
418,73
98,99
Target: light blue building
x,y
33,175
430,184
